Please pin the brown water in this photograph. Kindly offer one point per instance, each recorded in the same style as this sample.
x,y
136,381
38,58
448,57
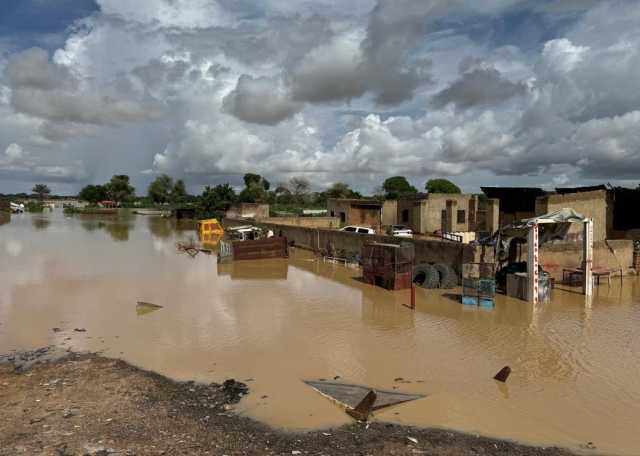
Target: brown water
x,y
576,366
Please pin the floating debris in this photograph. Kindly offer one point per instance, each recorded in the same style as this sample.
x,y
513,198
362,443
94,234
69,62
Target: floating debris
x,y
143,308
360,400
503,375
362,411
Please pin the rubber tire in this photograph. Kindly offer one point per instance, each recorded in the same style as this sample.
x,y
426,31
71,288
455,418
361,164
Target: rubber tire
x,y
448,277
426,276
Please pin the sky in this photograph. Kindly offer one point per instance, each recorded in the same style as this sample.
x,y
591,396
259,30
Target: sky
x,y
494,92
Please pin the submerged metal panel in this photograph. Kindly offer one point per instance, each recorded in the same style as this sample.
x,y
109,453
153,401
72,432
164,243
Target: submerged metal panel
x,y
275,247
351,395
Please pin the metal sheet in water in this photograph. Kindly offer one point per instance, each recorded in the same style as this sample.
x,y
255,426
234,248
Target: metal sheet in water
x,y
351,395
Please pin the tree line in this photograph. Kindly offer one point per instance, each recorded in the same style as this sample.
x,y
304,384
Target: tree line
x,y
287,196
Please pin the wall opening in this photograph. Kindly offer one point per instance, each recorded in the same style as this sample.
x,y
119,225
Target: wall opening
x,y
405,216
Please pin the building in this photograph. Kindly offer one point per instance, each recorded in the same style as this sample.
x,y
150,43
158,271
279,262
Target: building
x,y
356,211
439,212
248,210
390,212
594,204
516,203
611,209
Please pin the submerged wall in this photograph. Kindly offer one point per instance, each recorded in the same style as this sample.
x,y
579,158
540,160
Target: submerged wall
x,y
451,253
556,256
309,222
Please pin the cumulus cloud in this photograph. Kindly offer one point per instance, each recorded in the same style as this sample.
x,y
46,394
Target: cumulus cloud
x,y
16,163
46,90
168,13
259,100
479,86
210,89
331,71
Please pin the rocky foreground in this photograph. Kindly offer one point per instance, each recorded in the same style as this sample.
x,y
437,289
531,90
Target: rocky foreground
x,y
89,405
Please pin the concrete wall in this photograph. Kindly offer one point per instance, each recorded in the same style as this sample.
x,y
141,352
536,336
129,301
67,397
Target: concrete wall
x,y
310,222
248,210
556,256
488,218
595,205
390,212
450,253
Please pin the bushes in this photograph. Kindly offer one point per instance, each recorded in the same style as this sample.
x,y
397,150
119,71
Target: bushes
x,y
34,206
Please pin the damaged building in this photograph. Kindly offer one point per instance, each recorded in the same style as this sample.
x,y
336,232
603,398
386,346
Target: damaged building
x,y
365,212
447,213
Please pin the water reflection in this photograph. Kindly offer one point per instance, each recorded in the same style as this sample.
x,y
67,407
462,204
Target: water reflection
x,y
117,227
161,227
40,222
255,270
386,310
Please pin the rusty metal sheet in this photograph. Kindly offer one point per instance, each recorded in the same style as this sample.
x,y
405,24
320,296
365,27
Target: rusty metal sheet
x,y
350,396
275,247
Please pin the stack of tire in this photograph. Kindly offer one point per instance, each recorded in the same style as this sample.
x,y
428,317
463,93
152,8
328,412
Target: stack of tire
x,y
436,275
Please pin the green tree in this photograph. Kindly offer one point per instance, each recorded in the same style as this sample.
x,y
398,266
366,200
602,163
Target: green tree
x,y
255,190
397,186
252,194
119,189
341,190
251,179
93,193
160,189
299,187
41,190
441,186
214,201
179,192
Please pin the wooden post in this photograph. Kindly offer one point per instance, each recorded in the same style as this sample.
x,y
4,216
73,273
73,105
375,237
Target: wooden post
x,y
587,252
532,264
413,295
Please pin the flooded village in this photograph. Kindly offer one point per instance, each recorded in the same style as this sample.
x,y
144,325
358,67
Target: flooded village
x,y
432,323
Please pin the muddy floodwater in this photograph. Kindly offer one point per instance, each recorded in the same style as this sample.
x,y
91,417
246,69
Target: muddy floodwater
x,y
274,323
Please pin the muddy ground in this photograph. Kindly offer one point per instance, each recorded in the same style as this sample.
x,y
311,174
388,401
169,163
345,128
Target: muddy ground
x,y
86,404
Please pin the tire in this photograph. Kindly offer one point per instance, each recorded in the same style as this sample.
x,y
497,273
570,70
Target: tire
x,y
426,276
448,277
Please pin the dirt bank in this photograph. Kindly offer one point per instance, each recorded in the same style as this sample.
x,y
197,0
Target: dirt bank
x,y
86,404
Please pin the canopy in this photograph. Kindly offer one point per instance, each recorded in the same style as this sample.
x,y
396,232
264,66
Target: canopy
x,y
552,226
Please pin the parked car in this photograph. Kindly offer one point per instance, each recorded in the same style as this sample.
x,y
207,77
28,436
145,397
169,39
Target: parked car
x,y
358,229
400,231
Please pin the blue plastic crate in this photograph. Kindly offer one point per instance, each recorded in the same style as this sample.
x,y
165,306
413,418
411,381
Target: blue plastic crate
x,y
469,300
486,302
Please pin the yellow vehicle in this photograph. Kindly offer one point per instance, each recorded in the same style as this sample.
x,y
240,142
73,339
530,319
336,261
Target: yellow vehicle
x,y
210,230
